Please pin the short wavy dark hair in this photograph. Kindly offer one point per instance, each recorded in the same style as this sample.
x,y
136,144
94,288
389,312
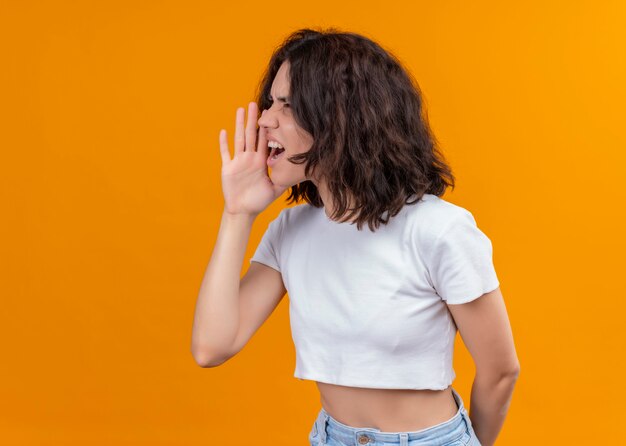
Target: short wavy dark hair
x,y
371,138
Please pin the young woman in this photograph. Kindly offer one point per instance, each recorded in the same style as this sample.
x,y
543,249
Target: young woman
x,y
374,310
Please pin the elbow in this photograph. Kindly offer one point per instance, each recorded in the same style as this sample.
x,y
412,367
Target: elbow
x,y
203,362
509,373
208,359
513,370
516,372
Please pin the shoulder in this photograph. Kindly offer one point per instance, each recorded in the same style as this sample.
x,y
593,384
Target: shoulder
x,y
297,215
432,215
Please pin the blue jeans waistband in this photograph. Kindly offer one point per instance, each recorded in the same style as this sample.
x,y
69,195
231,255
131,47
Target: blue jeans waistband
x,y
443,432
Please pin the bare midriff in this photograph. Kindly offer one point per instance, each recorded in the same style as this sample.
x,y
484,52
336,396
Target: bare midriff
x,y
390,410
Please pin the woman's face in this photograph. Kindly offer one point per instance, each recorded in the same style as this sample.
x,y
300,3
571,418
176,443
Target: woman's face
x,y
282,128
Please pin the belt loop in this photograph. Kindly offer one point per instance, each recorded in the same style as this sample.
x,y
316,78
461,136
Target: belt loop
x,y
404,439
468,420
323,429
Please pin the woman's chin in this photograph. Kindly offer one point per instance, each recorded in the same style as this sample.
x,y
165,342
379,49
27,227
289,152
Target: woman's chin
x,y
277,180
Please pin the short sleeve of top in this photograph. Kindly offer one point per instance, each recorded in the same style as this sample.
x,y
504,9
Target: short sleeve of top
x,y
268,252
460,263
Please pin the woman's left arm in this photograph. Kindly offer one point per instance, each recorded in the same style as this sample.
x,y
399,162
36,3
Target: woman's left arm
x,y
486,332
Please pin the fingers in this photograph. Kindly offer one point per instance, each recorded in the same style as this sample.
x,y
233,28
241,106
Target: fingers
x,y
239,132
224,152
262,147
245,139
251,127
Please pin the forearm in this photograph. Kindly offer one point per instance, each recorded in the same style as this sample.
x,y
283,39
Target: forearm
x,y
216,317
489,404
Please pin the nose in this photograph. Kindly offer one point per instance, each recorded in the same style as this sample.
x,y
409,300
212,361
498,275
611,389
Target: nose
x,y
267,119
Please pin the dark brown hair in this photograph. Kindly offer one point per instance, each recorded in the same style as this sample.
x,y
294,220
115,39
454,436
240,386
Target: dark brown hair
x,y
371,138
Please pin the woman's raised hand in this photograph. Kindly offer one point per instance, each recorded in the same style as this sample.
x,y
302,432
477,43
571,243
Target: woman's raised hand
x,y
246,186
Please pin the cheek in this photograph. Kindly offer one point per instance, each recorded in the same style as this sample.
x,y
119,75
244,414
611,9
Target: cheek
x,y
302,143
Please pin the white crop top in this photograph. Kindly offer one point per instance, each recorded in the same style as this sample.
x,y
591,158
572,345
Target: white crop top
x,y
367,308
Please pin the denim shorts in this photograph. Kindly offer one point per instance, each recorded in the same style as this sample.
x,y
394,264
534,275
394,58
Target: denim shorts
x,y
457,431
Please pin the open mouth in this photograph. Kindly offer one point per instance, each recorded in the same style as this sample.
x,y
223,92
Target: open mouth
x,y
276,152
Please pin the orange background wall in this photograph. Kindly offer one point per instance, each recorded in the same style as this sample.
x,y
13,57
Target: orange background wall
x,y
110,196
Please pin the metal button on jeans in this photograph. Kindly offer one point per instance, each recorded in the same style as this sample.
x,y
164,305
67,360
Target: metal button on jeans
x,y
363,439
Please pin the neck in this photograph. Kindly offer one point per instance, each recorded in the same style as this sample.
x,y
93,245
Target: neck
x,y
326,198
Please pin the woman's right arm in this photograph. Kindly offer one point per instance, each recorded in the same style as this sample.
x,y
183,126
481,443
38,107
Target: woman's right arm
x,y
216,319
219,329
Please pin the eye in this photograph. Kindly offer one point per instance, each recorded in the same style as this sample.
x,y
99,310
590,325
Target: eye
x,y
271,102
